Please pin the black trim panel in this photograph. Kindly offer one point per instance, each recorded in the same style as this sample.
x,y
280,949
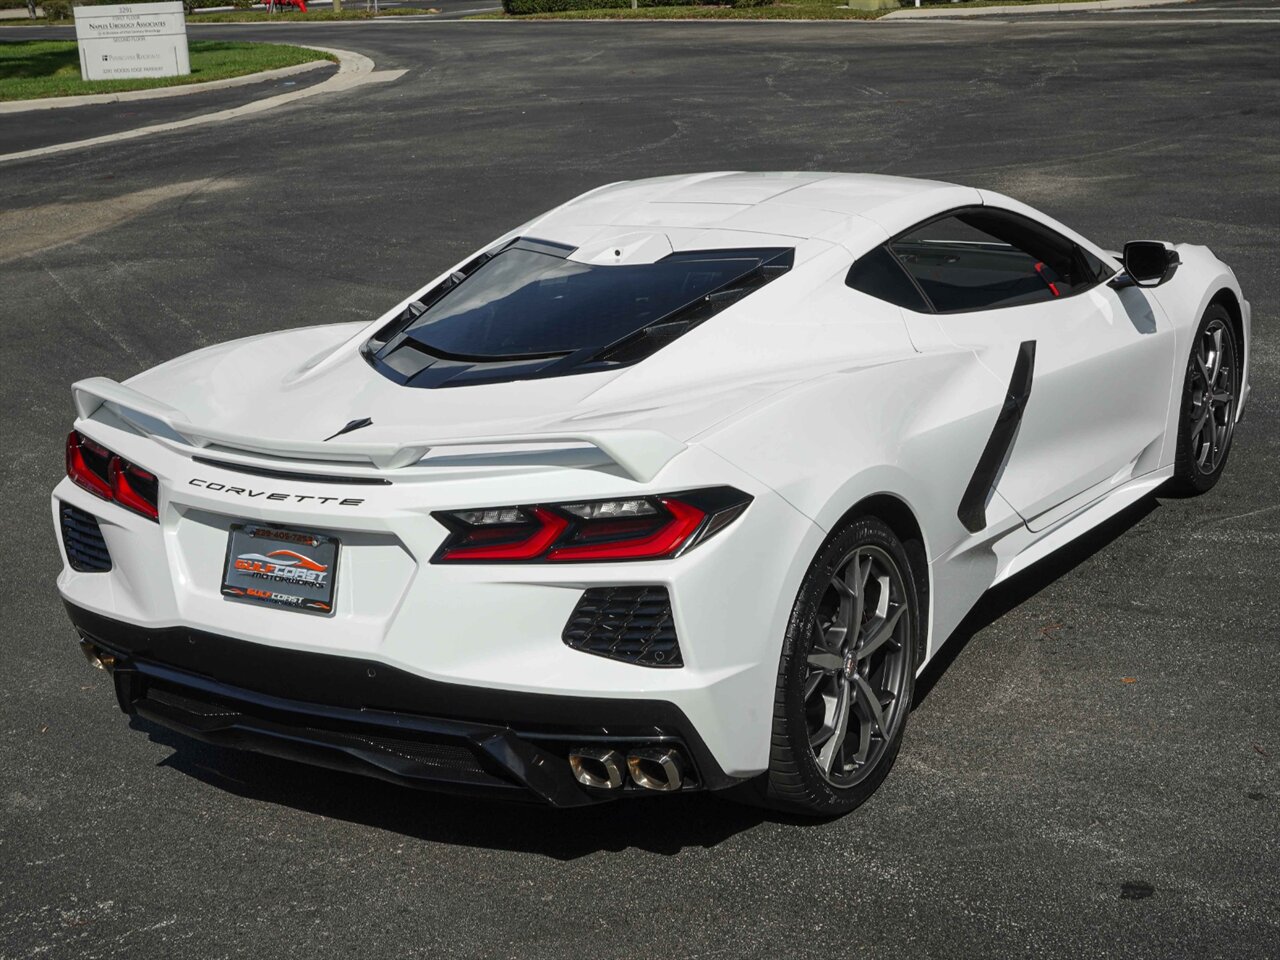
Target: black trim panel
x,y
309,706
973,505
291,474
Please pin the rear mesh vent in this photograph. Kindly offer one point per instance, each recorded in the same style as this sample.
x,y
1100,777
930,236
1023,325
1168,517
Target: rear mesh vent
x,y
632,624
82,538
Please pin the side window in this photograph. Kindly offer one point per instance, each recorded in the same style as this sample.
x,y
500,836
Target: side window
x,y
980,258
879,275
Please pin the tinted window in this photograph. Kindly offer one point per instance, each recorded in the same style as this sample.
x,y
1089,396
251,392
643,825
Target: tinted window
x,y
980,258
879,275
529,302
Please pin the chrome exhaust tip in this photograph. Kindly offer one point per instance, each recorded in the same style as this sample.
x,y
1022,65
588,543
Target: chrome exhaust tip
x,y
599,767
98,658
656,768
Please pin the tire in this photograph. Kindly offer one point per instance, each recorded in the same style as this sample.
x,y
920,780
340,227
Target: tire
x,y
1210,394
863,574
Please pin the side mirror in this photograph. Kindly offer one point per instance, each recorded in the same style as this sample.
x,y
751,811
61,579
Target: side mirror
x,y
1147,263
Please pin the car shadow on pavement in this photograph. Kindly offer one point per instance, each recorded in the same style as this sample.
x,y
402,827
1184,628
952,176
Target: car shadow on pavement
x,y
1019,588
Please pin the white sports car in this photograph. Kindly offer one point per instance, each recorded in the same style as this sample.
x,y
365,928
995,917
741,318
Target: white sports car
x,y
676,487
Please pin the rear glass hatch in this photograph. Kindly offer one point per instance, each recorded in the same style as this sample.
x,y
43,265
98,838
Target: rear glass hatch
x,y
527,310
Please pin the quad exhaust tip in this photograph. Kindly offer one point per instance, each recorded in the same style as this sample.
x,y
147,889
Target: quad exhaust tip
x,y
656,768
98,658
599,767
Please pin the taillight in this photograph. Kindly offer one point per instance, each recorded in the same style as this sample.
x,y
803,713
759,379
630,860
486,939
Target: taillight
x,y
111,477
638,528
88,464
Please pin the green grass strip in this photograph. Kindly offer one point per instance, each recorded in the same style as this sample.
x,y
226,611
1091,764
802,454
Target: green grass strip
x,y
31,69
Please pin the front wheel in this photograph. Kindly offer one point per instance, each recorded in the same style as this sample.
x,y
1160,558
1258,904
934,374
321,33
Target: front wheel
x,y
1210,395
846,675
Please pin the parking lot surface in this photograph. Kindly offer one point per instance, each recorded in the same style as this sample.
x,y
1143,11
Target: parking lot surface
x,y
1091,769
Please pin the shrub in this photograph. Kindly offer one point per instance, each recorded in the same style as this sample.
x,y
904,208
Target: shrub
x,y
56,9
555,6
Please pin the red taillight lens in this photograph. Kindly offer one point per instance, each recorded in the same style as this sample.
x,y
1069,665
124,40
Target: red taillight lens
x,y
684,520
110,477
522,541
642,528
134,488
88,465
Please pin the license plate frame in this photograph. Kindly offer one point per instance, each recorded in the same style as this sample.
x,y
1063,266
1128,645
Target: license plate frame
x,y
285,568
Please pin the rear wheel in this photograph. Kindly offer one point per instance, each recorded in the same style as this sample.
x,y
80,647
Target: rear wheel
x,y
1209,400
846,676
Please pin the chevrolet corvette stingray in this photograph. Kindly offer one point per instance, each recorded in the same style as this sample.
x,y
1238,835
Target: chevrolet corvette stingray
x,y
676,487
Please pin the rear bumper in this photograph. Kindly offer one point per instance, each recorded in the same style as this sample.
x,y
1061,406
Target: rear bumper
x,y
366,717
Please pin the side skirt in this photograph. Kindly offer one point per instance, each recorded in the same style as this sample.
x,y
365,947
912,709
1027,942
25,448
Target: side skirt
x,y
1077,524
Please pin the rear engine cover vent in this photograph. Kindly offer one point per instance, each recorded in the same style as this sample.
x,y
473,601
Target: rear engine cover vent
x,y
82,538
632,624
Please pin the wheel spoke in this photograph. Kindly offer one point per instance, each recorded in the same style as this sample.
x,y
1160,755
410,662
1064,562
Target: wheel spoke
x,y
841,580
864,743
879,631
812,683
1201,366
868,697
826,662
1210,426
1216,366
1198,426
834,636
839,727
820,639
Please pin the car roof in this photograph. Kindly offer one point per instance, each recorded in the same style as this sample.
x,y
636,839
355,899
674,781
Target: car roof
x,y
724,209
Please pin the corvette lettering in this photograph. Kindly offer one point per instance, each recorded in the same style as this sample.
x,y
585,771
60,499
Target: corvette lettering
x,y
272,495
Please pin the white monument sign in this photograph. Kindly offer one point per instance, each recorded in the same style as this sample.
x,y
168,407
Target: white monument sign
x,y
132,40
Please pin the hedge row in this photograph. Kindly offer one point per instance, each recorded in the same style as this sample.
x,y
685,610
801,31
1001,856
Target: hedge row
x,y
61,9
555,6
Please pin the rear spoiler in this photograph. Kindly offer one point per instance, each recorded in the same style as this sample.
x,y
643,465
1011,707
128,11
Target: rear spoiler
x,y
641,453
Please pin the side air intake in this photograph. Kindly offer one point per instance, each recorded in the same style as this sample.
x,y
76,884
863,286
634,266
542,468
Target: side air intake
x,y
631,624
82,538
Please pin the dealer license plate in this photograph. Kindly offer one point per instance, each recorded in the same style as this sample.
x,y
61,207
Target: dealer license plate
x,y
282,568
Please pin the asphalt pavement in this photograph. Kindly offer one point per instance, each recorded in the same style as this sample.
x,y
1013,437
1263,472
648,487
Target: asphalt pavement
x,y
1091,769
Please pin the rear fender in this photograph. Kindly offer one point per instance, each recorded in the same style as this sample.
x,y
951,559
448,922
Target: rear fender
x,y
913,428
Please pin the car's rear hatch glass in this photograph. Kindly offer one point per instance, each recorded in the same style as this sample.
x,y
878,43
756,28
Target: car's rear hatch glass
x,y
528,310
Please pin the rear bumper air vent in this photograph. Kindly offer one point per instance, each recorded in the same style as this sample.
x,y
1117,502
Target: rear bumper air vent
x,y
83,541
631,624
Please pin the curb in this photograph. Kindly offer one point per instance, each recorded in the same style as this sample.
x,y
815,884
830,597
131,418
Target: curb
x,y
354,70
957,9
155,93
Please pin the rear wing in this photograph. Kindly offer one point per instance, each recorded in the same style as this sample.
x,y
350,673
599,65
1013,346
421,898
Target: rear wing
x,y
641,453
